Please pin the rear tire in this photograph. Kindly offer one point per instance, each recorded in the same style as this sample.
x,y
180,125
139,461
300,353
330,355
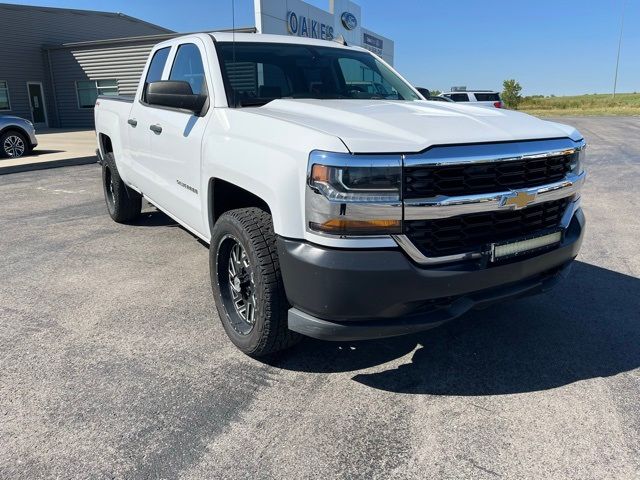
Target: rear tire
x,y
124,204
247,284
14,144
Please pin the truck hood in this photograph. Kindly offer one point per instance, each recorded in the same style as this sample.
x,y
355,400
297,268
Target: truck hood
x,y
381,126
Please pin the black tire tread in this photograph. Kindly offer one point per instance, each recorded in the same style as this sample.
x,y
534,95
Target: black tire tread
x,y
127,202
275,334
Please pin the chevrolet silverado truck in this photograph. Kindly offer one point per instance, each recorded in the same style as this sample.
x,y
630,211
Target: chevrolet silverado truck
x,y
333,211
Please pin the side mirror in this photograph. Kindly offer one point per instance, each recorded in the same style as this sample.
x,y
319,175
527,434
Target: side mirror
x,y
174,94
424,92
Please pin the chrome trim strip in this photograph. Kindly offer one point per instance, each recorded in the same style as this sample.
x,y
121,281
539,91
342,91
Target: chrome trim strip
x,y
416,255
444,207
335,159
571,210
493,152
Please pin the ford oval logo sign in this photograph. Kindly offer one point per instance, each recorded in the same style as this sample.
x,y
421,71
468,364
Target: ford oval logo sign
x,y
349,20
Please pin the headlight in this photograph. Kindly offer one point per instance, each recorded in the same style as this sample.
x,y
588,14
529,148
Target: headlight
x,y
577,161
353,195
356,184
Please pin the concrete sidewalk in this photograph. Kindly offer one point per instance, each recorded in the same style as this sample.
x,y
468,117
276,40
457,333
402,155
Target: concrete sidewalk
x,y
56,148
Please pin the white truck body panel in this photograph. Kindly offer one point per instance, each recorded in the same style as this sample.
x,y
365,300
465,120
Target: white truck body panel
x,y
394,126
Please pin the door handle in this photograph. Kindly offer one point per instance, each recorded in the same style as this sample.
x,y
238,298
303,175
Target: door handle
x,y
156,129
132,121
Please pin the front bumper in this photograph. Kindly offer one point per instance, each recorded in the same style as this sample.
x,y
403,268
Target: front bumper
x,y
361,294
33,140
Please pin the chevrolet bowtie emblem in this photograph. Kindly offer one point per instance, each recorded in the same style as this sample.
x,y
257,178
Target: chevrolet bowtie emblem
x,y
518,200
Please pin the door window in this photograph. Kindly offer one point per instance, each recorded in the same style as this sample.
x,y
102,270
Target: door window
x,y
187,67
156,67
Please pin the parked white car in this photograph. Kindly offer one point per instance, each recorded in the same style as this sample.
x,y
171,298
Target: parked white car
x,y
17,137
488,98
331,211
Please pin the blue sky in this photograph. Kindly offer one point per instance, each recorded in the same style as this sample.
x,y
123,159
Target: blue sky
x,y
559,47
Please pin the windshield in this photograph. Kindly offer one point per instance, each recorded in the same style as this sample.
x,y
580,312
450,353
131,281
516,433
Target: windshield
x,y
256,73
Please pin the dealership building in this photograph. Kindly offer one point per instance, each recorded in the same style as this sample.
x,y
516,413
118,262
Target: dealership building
x,y
54,62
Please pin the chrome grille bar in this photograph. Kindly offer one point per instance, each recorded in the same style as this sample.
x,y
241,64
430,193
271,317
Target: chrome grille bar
x,y
493,152
443,207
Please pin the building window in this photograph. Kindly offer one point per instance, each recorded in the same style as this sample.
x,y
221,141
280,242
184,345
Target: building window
x,y
4,96
89,90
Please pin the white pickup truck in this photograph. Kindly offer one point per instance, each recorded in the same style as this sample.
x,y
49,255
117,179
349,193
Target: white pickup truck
x,y
333,211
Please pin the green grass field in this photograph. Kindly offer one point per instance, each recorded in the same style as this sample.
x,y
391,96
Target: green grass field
x,y
597,104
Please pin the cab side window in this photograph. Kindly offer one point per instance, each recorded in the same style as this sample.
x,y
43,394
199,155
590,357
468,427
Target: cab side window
x,y
187,67
155,68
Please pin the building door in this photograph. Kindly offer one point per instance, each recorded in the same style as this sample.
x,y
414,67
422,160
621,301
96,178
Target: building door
x,y
36,101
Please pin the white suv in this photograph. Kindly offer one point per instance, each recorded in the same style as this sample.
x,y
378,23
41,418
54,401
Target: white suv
x,y
487,98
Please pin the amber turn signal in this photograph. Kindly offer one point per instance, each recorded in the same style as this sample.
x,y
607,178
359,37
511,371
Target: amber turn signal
x,y
361,227
320,173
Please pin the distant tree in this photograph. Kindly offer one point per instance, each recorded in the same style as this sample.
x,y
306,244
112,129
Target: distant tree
x,y
511,93
435,93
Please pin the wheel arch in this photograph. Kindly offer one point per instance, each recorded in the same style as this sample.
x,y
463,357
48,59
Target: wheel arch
x,y
223,196
106,146
18,129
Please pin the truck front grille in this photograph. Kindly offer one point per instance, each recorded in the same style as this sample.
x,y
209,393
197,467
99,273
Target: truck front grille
x,y
474,232
426,181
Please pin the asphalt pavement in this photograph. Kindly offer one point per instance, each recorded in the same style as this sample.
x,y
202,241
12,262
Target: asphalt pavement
x,y
113,362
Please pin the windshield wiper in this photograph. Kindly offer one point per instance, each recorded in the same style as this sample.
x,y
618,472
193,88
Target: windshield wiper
x,y
254,102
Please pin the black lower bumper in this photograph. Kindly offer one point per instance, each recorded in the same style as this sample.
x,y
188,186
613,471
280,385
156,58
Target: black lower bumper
x,y
342,294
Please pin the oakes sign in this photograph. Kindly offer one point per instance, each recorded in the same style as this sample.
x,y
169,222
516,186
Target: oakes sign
x,y
307,27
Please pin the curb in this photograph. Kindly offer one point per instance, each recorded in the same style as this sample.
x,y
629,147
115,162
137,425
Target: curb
x,y
29,167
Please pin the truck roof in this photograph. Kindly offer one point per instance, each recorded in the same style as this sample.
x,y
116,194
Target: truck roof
x,y
269,38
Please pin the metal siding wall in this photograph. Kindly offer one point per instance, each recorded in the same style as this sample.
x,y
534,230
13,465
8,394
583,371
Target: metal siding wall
x,y
123,63
24,31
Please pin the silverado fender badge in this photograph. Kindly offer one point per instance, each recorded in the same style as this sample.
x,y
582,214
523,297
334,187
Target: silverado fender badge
x,y
188,187
517,200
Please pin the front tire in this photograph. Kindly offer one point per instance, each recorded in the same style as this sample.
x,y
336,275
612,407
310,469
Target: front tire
x,y
14,144
124,204
247,284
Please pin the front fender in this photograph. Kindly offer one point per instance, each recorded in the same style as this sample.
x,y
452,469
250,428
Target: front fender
x,y
265,156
